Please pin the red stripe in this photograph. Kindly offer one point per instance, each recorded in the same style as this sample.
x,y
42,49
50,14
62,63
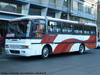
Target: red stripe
x,y
63,47
49,38
91,39
53,38
91,45
45,38
69,47
66,46
58,48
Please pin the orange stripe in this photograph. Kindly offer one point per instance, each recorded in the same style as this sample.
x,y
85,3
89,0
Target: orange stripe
x,y
69,47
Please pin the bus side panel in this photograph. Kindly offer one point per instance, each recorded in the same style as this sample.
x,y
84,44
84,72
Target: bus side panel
x,y
90,43
68,43
75,47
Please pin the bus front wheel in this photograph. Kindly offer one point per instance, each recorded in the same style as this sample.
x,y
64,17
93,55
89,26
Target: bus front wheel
x,y
81,49
45,52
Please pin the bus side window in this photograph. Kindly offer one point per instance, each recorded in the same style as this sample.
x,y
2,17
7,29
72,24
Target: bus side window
x,y
65,28
54,27
78,29
93,30
70,28
86,30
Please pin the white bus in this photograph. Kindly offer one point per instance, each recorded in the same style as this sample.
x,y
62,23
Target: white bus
x,y
35,35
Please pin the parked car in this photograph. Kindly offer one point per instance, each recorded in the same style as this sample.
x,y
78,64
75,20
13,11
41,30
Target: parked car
x,y
98,43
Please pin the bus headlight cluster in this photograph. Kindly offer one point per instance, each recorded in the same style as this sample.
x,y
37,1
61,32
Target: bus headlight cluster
x,y
17,46
24,47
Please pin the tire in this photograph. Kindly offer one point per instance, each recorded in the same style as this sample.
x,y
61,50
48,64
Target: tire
x,y
45,52
81,49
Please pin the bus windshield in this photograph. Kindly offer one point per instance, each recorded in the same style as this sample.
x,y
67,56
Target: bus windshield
x,y
19,28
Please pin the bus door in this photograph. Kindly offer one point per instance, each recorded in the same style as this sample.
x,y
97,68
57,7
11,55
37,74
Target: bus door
x,y
39,28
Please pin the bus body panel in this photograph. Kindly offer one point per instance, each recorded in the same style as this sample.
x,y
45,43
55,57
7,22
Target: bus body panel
x,y
59,42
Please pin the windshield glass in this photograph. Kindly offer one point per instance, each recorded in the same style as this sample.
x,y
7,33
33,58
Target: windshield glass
x,y
19,28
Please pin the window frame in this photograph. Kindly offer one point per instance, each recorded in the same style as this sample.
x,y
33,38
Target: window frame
x,y
78,29
91,29
60,27
84,30
33,28
68,26
73,25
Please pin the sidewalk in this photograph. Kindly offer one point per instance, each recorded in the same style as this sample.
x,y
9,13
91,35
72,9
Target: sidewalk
x,y
3,50
3,54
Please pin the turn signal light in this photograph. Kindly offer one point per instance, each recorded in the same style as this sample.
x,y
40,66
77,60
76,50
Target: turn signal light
x,y
26,46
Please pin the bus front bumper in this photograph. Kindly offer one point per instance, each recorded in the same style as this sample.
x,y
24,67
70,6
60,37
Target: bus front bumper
x,y
17,52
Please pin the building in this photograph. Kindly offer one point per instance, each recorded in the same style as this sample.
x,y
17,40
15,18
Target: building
x,y
76,10
98,18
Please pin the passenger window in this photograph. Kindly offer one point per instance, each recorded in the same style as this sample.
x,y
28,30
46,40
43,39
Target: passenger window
x,y
54,27
67,28
93,30
86,30
78,29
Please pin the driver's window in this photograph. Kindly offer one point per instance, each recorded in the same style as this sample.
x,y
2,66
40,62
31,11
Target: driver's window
x,y
39,28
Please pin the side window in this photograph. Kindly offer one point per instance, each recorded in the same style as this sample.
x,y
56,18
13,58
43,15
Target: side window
x,y
67,28
78,29
93,30
86,30
54,27
39,28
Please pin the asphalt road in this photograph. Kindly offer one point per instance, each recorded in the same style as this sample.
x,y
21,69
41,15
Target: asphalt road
x,y
60,64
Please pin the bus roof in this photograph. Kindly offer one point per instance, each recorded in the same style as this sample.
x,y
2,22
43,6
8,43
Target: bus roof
x,y
50,18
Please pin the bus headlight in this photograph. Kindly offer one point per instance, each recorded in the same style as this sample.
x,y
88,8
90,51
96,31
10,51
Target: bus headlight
x,y
17,46
24,47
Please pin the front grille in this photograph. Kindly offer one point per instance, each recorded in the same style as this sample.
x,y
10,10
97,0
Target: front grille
x,y
15,51
14,46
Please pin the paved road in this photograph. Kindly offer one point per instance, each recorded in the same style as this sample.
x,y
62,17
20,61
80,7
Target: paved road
x,y
60,64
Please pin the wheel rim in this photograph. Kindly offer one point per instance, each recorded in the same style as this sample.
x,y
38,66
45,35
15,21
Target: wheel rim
x,y
81,49
45,52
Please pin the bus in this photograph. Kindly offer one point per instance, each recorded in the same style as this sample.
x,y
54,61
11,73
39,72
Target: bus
x,y
38,35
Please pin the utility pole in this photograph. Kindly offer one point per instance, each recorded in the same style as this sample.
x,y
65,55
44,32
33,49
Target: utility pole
x,y
68,9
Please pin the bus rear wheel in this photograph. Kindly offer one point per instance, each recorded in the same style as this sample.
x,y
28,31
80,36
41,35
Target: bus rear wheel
x,y
45,52
81,49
